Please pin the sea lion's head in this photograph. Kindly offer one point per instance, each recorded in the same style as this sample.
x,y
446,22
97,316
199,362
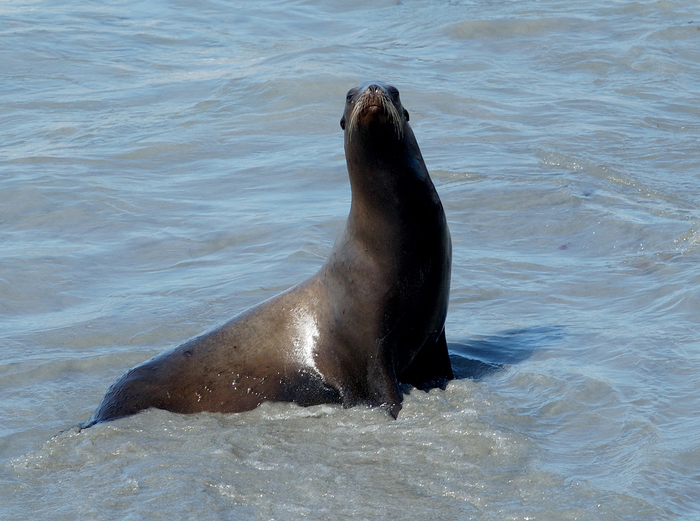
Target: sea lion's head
x,y
375,107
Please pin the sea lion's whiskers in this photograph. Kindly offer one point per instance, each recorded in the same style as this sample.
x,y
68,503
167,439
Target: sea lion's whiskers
x,y
388,107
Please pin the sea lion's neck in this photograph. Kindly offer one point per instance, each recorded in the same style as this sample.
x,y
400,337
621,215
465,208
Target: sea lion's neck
x,y
384,169
390,186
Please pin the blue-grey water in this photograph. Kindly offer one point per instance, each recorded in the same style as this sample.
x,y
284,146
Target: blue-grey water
x,y
165,165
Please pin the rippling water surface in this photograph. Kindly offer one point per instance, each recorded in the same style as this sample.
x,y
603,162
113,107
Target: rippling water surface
x,y
165,165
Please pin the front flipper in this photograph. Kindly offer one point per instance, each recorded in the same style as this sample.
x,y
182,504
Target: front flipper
x,y
378,387
431,367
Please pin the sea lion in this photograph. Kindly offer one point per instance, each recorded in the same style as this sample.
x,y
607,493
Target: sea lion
x,y
373,315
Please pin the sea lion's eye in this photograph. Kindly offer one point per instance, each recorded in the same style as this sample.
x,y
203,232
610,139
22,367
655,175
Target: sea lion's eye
x,y
393,91
351,94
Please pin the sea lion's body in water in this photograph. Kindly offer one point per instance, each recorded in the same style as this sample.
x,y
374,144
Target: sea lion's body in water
x,y
373,315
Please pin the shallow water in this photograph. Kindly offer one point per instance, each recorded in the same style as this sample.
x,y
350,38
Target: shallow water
x,y
165,165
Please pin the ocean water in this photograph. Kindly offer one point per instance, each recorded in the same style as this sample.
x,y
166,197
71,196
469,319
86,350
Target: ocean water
x,y
165,165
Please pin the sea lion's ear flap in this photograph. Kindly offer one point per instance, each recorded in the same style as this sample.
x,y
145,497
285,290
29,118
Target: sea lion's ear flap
x,y
342,122
405,114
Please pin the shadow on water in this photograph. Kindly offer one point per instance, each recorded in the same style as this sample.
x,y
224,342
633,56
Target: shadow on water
x,y
483,356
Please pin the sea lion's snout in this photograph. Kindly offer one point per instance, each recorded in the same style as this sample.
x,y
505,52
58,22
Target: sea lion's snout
x,y
377,99
374,89
372,104
375,94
